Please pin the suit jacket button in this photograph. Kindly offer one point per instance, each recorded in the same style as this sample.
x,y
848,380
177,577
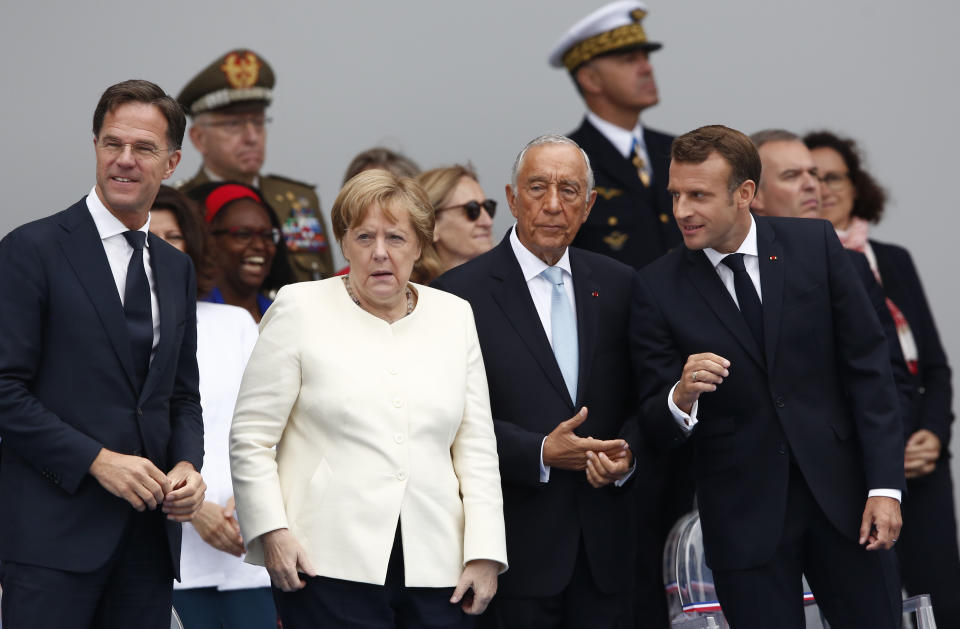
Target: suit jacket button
x,y
140,411
781,449
779,402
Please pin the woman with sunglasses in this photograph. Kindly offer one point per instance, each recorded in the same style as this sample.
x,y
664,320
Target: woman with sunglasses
x,y
248,251
464,216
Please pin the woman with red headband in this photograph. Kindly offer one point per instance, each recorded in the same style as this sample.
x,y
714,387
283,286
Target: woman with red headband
x,y
248,248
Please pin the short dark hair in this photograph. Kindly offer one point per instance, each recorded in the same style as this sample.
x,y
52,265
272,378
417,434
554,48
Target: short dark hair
x,y
696,146
870,197
383,158
140,91
194,230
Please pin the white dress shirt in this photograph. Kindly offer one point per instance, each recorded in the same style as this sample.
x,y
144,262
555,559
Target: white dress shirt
x,y
225,338
119,251
751,262
541,290
622,139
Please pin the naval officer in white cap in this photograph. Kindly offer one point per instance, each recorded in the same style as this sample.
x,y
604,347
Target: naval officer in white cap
x,y
607,54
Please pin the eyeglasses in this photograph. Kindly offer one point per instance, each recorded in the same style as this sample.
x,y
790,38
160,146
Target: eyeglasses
x,y
236,126
473,208
243,235
834,181
140,150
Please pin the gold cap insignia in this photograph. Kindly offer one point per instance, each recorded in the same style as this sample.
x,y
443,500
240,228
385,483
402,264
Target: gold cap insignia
x,y
242,70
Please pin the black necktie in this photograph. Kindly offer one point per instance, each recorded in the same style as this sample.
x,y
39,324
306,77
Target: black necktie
x,y
136,306
747,297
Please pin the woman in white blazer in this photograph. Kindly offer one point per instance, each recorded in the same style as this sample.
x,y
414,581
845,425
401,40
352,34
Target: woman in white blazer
x,y
362,449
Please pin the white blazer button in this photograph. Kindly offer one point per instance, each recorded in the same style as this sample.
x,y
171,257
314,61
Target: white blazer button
x,y
398,437
397,402
401,475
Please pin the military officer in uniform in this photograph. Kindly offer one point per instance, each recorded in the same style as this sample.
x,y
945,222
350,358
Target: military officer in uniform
x,y
227,104
607,55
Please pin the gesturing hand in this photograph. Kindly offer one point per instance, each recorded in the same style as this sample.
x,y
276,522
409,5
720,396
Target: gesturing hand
x,y
477,585
921,454
881,523
565,449
701,374
284,557
217,527
133,478
186,494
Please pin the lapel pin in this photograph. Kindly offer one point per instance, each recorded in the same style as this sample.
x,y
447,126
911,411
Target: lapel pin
x,y
595,293
773,258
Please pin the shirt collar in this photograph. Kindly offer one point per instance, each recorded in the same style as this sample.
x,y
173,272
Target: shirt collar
x,y
107,224
747,247
212,176
531,265
622,139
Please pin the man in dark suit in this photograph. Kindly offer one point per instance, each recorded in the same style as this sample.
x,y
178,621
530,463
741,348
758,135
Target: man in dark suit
x,y
99,407
607,56
759,341
552,322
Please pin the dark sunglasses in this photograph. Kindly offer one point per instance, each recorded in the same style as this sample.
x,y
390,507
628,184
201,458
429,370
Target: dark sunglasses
x,y
473,208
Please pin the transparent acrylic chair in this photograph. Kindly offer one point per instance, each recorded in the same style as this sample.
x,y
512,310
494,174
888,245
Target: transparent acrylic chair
x,y
692,598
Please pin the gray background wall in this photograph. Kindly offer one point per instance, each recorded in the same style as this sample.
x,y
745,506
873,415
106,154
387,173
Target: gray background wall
x,y
448,81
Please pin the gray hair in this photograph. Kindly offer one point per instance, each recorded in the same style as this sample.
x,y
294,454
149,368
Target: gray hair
x,y
550,138
773,135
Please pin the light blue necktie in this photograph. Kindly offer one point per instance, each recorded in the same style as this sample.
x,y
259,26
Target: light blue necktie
x,y
563,327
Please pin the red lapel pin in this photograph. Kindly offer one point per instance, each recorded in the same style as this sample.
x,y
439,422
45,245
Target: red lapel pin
x,y
595,293
773,258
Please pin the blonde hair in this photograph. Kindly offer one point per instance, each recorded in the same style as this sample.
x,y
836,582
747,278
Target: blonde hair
x,y
390,193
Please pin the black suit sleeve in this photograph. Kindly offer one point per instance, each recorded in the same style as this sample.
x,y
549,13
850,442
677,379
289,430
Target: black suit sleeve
x,y
936,410
901,375
863,353
186,416
658,364
56,449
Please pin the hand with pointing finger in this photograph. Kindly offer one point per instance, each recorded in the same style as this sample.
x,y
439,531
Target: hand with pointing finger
x,y
564,449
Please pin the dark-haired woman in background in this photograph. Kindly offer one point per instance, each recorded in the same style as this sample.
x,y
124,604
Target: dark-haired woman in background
x,y
927,548
217,589
248,252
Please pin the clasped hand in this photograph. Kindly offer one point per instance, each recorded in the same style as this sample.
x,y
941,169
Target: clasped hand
x,y
138,481
604,461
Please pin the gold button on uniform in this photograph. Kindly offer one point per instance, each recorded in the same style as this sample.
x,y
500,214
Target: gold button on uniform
x,y
664,218
612,220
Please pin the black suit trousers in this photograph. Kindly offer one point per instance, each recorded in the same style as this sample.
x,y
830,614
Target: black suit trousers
x,y
854,587
133,589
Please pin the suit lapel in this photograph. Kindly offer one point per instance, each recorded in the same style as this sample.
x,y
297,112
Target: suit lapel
x,y
585,289
161,266
704,277
771,286
84,251
513,297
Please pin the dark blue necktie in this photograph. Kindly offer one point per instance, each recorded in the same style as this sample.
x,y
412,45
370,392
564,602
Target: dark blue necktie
x,y
747,297
136,307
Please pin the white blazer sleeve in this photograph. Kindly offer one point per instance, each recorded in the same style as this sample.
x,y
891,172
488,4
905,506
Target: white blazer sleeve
x,y
476,464
270,386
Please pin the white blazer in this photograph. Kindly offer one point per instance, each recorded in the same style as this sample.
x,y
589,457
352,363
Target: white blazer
x,y
372,422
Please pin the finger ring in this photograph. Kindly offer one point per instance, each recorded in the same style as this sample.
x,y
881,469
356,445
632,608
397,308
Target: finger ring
x,y
695,375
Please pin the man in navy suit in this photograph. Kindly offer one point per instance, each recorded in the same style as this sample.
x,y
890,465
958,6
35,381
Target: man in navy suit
x,y
758,341
552,322
99,407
